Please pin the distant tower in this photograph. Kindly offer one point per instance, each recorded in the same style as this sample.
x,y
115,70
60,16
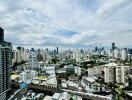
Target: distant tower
x,y
113,46
46,50
5,66
57,50
1,34
32,49
96,48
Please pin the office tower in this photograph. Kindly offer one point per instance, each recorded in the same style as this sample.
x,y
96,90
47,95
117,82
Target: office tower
x,y
46,50
54,53
57,50
113,46
130,51
32,49
1,34
5,65
96,48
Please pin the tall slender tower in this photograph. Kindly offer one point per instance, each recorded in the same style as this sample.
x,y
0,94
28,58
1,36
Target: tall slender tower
x,y
113,46
1,34
57,50
5,66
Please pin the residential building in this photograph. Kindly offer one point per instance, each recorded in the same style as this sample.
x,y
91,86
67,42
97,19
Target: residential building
x,y
116,73
124,54
5,65
27,76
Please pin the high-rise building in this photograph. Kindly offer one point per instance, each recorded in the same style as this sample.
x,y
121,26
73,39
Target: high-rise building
x,y
77,55
20,55
115,73
5,65
113,46
116,52
130,51
57,50
1,34
124,54
33,62
96,48
27,75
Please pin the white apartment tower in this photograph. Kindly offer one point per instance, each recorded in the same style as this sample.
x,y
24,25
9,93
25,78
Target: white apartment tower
x,y
124,54
115,73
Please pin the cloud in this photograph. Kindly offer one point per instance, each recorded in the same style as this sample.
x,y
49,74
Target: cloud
x,y
112,7
70,23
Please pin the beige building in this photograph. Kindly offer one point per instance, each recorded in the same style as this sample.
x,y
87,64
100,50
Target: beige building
x,y
115,73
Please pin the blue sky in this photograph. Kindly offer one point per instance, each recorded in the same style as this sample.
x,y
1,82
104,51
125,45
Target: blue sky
x,y
67,23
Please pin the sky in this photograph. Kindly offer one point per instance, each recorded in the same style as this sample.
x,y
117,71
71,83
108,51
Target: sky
x,y
67,23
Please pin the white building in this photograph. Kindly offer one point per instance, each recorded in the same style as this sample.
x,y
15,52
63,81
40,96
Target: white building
x,y
48,98
33,62
77,55
49,69
129,57
115,73
109,75
71,68
123,54
90,85
116,53
61,96
95,71
27,75
77,70
20,54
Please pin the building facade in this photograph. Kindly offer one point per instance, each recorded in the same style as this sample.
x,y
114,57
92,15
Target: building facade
x,y
5,65
116,73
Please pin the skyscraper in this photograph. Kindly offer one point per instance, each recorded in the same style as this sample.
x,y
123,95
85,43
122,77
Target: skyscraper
x,y
113,46
1,34
96,48
57,50
5,65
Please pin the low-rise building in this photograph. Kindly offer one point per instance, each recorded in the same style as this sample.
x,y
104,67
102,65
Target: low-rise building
x,y
27,76
61,96
73,69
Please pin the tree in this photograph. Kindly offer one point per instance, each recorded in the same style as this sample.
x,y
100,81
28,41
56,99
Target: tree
x,y
14,67
54,60
62,65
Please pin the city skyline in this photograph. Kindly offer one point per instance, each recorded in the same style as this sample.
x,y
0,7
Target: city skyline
x,y
65,50
78,23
